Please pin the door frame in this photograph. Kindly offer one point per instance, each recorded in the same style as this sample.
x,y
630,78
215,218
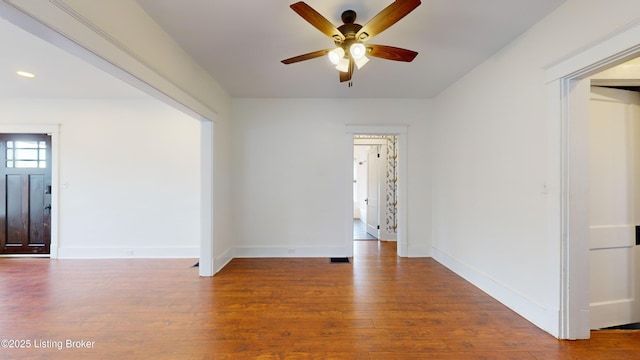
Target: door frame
x,y
53,130
401,131
568,92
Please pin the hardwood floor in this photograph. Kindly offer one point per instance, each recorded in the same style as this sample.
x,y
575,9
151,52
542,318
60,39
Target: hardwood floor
x,y
377,307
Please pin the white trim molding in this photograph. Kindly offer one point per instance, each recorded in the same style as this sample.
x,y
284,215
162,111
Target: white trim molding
x,y
288,252
130,253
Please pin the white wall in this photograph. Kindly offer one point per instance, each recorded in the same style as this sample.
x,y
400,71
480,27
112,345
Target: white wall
x,y
289,173
496,181
131,170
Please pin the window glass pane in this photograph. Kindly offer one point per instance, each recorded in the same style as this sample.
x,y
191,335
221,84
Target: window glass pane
x,y
26,154
26,164
26,144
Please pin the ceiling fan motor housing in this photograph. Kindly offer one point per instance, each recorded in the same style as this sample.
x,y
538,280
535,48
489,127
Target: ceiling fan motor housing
x,y
349,29
348,17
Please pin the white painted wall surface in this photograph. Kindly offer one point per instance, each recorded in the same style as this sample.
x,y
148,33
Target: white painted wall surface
x,y
129,175
496,177
289,178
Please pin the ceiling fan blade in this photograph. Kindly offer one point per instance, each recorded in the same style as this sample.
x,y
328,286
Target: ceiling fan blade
x,y
346,76
387,17
318,21
391,53
309,56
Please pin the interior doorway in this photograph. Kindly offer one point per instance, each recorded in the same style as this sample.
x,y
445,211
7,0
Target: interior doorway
x,y
568,87
614,197
375,187
379,136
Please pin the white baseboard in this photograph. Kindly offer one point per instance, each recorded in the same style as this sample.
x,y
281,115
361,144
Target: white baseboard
x,y
221,261
544,318
265,252
385,236
418,252
128,253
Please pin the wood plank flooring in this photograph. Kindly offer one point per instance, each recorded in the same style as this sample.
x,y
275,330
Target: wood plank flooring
x,y
377,307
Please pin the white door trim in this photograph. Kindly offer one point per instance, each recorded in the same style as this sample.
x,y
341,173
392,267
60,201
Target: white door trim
x,y
568,109
401,131
52,129
206,265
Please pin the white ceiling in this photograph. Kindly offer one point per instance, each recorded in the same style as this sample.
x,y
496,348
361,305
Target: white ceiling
x,y
58,74
241,43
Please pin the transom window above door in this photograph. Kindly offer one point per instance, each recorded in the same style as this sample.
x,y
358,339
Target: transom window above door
x,y
26,154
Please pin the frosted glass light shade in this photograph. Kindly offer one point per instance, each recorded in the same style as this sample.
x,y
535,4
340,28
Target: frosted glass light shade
x,y
335,55
343,65
361,61
357,51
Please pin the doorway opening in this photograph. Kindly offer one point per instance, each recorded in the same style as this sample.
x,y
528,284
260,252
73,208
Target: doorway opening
x,y
614,197
386,198
375,187
569,87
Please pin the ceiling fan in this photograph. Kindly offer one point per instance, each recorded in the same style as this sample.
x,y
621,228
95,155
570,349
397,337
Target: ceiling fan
x,y
350,50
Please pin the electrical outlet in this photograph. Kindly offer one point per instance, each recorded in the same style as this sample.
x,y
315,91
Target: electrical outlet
x,y
129,252
291,250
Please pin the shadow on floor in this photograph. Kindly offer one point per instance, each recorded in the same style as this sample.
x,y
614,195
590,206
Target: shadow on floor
x,y
360,231
635,326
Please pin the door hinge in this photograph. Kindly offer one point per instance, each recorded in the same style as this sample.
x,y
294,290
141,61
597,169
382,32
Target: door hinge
x,y
378,155
378,227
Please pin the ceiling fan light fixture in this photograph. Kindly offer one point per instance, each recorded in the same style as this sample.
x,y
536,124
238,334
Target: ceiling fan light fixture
x,y
343,65
336,55
361,61
349,51
357,50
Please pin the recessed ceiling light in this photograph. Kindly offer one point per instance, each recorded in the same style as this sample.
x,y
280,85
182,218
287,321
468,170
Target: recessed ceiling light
x,y
25,74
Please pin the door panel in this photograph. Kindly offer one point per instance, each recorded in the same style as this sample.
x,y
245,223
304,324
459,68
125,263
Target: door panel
x,y
614,209
372,192
16,211
25,194
38,219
